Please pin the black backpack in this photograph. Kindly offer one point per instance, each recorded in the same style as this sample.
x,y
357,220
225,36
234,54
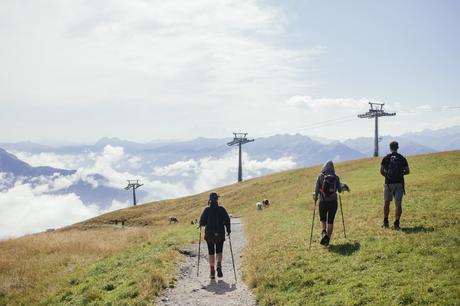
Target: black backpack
x,y
329,186
394,170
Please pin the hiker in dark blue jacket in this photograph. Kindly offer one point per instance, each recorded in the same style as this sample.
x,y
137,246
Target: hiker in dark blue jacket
x,y
327,185
215,219
394,167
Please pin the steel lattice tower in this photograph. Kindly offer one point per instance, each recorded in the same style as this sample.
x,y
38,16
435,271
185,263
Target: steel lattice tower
x,y
376,111
239,139
134,184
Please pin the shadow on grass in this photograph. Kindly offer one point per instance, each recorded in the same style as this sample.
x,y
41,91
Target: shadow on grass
x,y
417,229
345,249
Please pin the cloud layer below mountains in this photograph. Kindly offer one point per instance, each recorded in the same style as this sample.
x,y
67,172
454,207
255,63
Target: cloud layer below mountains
x,y
28,206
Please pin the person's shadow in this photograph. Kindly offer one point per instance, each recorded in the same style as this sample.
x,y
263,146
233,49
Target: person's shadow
x,y
417,229
219,287
345,249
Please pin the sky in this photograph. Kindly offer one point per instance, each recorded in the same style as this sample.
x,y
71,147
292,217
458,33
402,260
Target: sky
x,y
77,71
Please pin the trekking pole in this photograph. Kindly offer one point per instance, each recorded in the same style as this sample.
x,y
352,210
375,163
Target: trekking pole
x,y
199,251
343,221
312,223
233,260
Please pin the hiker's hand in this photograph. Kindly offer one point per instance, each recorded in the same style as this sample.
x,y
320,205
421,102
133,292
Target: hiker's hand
x,y
345,188
314,196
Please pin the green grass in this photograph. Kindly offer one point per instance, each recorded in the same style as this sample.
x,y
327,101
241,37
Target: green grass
x,y
136,276
418,265
93,263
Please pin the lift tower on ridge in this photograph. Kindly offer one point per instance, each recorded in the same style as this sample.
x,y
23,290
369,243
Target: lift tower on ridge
x,y
134,184
376,111
239,139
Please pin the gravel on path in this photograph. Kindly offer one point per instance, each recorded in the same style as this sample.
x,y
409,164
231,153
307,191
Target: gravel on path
x,y
192,290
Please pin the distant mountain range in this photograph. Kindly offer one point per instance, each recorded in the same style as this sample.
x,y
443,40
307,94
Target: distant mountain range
x,y
11,164
306,150
426,141
301,149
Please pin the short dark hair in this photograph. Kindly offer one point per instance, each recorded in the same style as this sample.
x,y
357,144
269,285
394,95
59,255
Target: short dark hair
x,y
394,145
213,196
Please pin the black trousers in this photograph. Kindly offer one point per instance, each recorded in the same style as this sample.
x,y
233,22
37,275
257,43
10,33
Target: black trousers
x,y
327,210
215,247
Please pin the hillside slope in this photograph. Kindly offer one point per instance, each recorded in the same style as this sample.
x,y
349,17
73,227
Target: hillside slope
x,y
97,262
418,265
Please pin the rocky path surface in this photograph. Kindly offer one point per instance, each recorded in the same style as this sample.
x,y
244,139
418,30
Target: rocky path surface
x,y
201,290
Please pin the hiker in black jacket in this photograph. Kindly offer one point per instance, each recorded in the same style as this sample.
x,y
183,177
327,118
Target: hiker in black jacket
x,y
215,219
393,167
327,185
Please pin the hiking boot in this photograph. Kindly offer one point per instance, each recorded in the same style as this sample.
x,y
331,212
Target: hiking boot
x,y
325,239
212,275
326,243
385,223
219,271
396,225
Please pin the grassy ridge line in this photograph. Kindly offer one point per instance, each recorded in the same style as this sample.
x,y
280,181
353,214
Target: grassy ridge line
x,y
419,265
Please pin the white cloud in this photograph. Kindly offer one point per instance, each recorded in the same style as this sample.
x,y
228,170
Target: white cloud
x,y
180,168
215,172
208,173
26,210
275,165
62,161
138,58
425,108
118,205
158,190
105,164
135,162
6,180
328,104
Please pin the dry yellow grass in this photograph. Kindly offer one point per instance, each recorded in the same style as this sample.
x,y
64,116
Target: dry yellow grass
x,y
35,263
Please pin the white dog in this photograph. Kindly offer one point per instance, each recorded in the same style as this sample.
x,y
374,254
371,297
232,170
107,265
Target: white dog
x,y
259,206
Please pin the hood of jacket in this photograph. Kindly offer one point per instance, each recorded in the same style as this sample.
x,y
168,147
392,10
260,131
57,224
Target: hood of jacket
x,y
328,168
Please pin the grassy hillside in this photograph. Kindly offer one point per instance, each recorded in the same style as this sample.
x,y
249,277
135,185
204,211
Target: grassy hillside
x,y
418,265
94,262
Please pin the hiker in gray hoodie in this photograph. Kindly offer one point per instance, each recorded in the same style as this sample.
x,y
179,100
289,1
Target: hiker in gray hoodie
x,y
327,185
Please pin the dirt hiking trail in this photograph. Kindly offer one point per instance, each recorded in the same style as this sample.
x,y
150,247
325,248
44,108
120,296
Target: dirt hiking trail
x,y
192,290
